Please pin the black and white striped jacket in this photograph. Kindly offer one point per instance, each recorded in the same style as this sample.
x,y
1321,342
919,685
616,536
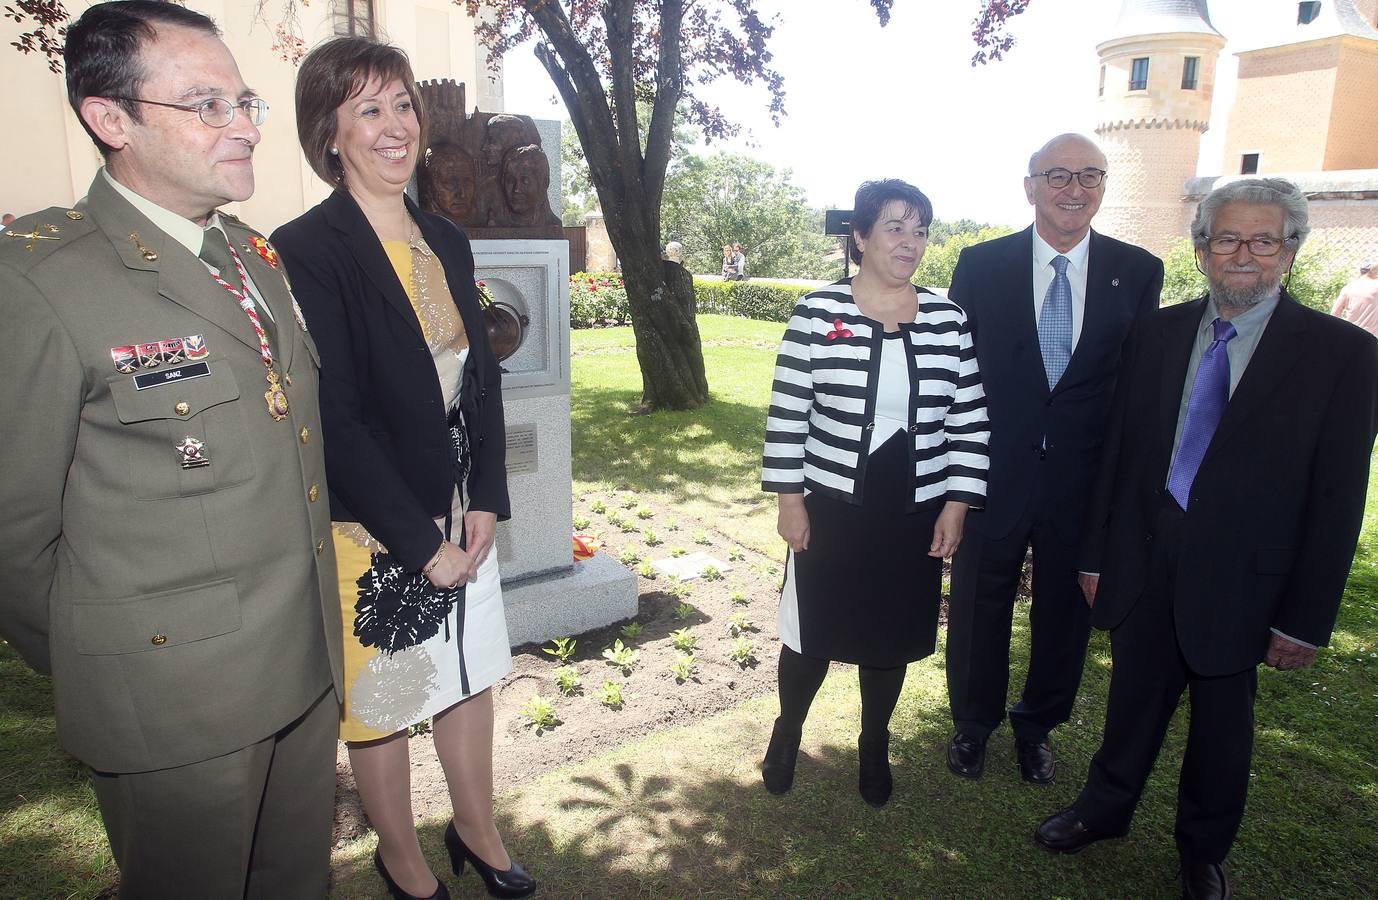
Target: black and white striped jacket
x,y
822,404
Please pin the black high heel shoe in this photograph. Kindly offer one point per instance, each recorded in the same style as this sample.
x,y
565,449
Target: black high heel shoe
x,y
441,892
777,769
873,780
514,882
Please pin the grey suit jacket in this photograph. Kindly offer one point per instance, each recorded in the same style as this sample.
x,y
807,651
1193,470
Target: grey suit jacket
x,y
183,612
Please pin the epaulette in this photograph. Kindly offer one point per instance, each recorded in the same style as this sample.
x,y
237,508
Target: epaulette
x,y
34,237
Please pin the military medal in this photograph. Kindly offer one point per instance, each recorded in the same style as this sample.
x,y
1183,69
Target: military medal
x,y
171,351
194,346
150,356
126,359
275,396
192,453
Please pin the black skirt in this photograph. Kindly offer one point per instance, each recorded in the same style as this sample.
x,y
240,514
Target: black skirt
x,y
866,591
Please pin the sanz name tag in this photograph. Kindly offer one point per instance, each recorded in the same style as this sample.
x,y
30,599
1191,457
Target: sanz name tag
x,y
145,380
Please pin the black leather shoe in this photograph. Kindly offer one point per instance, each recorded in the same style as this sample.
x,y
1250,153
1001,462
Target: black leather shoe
x,y
396,893
513,882
874,781
966,755
777,769
1064,832
1036,765
1205,881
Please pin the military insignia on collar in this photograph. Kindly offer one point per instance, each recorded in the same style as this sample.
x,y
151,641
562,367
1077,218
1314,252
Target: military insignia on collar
x,y
36,234
265,250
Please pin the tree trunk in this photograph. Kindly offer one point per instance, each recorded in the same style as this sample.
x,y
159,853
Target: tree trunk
x,y
661,296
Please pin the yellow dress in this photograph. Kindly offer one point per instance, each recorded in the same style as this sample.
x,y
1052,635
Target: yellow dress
x,y
386,692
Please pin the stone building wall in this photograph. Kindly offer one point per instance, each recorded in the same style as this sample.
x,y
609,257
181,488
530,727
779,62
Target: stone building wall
x,y
1353,141
1282,108
1143,191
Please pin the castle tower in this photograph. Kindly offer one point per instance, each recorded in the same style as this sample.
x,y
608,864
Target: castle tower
x,y
1157,75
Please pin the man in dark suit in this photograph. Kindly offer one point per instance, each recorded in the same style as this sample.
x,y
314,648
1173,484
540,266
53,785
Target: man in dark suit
x,y
1050,308
167,554
1224,521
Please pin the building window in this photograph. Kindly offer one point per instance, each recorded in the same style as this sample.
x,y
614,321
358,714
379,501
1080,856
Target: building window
x,y
354,17
1249,164
1307,11
1191,70
1100,91
1138,74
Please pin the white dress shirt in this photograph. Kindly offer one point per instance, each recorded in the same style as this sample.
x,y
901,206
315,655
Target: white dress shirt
x,y
1043,273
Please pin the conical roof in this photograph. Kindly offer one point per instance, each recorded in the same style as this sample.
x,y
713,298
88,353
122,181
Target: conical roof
x,y
1162,17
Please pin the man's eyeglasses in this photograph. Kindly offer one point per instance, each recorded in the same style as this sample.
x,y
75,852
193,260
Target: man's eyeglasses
x,y
1262,246
217,112
1060,177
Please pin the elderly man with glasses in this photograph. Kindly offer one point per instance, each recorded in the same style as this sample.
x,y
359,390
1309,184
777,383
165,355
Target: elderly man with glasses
x,y
1224,521
166,531
1050,308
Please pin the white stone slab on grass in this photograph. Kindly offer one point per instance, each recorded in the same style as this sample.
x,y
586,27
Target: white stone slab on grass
x,y
689,566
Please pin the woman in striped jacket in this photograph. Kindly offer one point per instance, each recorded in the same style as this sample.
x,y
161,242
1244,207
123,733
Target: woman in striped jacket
x,y
876,446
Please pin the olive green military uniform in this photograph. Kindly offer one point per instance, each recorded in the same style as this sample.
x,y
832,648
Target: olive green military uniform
x,y
167,553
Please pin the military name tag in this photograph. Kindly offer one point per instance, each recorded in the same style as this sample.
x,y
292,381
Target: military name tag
x,y
145,380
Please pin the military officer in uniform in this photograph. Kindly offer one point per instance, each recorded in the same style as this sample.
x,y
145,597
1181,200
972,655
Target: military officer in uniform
x,y
167,541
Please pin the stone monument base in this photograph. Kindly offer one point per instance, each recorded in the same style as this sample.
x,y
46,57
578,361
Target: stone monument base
x,y
596,592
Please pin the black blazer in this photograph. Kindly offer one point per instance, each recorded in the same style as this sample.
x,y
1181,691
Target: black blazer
x,y
1278,502
387,445
1045,446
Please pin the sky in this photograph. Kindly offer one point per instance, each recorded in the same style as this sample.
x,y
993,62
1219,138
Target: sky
x,y
865,102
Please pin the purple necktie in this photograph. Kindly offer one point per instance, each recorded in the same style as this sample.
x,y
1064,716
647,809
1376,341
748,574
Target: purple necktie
x,y
1210,393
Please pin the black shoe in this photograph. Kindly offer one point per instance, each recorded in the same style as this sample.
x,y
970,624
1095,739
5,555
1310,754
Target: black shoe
x,y
441,893
777,769
966,755
1205,881
513,882
1064,832
1036,765
874,781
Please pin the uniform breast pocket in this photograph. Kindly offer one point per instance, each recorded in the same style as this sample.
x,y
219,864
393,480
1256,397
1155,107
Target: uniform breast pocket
x,y
183,430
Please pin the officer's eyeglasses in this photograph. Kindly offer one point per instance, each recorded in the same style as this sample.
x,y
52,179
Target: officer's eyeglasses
x,y
1260,246
217,112
1060,177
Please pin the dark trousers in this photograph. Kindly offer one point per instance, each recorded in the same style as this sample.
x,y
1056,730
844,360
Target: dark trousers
x,y
254,823
1149,678
985,575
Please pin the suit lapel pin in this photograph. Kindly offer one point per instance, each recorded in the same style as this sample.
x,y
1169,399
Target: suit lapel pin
x,y
192,453
1114,282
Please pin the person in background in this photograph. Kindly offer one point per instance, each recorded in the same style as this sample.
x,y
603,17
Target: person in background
x,y
6,221
411,401
876,447
1358,301
728,262
167,553
1223,523
738,263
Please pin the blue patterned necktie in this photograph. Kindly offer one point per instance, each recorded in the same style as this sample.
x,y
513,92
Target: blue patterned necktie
x,y
1210,393
1055,324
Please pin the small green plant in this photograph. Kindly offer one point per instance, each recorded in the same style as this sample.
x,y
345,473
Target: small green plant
x,y
540,714
630,502
644,513
422,727
678,589
646,570
738,623
581,521
684,668
622,656
684,610
676,552
742,652
610,695
563,649
632,630
614,519
701,537
735,555
672,525
683,640
627,526
710,573
567,680
598,507
650,537
629,556
738,595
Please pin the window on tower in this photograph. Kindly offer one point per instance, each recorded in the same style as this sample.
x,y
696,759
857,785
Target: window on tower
x,y
1191,70
354,17
1100,91
1138,74
1307,11
1248,165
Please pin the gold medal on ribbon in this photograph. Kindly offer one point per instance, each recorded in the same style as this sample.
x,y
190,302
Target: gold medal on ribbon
x,y
276,397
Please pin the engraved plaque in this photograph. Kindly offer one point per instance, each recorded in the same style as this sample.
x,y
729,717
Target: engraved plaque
x,y
521,449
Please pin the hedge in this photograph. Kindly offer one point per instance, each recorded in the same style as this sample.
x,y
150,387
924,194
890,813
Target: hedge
x,y
599,298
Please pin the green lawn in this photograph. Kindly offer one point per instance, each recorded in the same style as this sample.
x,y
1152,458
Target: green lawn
x,y
682,813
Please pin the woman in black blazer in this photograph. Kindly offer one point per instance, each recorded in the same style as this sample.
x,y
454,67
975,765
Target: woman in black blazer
x,y
411,404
